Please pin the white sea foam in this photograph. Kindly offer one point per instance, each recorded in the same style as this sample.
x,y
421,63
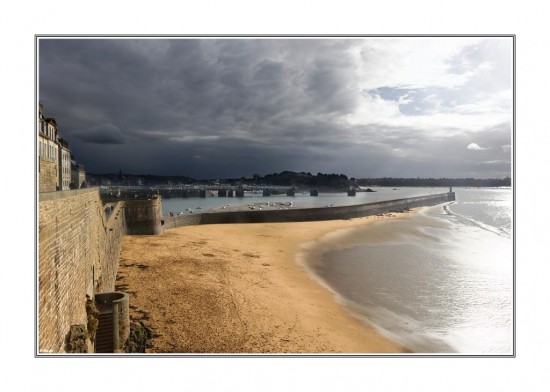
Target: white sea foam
x,y
485,226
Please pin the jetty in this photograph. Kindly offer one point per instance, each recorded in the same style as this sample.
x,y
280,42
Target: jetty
x,y
305,214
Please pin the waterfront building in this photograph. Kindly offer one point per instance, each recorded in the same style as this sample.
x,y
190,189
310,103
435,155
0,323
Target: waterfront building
x,y
57,170
48,163
78,175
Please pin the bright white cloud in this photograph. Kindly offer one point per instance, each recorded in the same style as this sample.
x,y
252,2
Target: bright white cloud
x,y
489,103
413,63
405,99
475,147
485,66
452,86
371,108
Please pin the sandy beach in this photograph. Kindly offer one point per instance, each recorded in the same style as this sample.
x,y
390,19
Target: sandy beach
x,y
238,288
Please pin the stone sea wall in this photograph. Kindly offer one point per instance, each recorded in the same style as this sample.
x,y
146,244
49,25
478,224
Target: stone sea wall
x,y
78,253
307,214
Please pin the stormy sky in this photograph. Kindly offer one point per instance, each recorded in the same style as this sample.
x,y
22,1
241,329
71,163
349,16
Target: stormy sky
x,y
219,108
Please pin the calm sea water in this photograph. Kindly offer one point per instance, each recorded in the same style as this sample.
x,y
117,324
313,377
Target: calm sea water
x,y
200,205
439,281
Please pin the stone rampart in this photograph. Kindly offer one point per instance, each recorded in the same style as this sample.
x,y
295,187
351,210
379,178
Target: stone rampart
x,y
143,216
78,253
181,220
47,175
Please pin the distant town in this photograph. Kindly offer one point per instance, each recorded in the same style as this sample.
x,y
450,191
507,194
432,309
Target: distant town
x,y
288,179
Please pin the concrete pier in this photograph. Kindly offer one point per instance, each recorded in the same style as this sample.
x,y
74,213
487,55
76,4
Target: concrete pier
x,y
308,214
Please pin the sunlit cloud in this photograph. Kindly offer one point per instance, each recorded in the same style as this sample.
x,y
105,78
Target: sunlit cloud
x,y
475,147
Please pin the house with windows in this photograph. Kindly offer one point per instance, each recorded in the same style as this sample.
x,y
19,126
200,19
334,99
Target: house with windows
x,y
48,160
78,175
57,170
64,165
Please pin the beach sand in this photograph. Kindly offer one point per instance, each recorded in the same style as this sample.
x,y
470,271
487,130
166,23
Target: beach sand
x,y
238,288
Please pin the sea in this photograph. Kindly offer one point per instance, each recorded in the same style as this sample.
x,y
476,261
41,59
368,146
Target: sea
x,y
300,200
439,281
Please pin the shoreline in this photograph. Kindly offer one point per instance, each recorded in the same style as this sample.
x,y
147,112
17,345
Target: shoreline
x,y
242,288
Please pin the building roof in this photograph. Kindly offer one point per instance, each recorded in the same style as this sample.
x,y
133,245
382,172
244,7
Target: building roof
x,y
63,142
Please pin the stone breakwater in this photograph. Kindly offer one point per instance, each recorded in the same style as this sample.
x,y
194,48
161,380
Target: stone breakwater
x,y
305,214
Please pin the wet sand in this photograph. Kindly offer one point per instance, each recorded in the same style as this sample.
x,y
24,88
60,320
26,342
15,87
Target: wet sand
x,y
238,288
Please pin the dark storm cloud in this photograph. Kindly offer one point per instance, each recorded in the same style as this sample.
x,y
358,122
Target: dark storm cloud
x,y
172,91
217,108
101,134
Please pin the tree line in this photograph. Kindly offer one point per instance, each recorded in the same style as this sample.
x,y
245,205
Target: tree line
x,y
470,182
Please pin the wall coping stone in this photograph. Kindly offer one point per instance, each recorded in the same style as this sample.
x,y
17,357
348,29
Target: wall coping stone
x,y
56,195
